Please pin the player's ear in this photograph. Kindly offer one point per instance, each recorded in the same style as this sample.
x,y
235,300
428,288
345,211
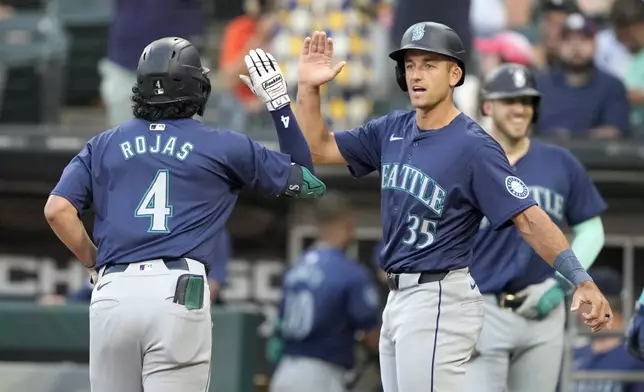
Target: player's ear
x,y
486,108
455,73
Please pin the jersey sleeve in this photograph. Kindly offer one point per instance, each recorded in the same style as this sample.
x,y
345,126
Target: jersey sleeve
x,y
252,165
361,147
584,201
497,192
75,183
218,270
363,302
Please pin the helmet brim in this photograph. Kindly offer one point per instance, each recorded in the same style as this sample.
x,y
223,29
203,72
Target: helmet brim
x,y
398,55
525,92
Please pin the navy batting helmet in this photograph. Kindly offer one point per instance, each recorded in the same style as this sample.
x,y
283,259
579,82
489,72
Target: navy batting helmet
x,y
430,37
170,71
512,81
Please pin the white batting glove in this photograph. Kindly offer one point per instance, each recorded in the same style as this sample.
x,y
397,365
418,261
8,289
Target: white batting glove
x,y
266,80
540,299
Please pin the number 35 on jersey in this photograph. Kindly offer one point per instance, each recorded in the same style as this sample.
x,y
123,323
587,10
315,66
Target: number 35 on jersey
x,y
155,204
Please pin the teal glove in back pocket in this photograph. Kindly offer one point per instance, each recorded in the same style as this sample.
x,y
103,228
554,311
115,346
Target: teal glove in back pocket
x,y
190,291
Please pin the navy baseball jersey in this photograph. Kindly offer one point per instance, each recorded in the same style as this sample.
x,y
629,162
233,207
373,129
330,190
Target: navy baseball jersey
x,y
326,299
166,189
436,185
615,360
558,182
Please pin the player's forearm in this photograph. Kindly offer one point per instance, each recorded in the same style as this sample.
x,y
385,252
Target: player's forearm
x,y
70,230
309,116
538,230
588,241
290,137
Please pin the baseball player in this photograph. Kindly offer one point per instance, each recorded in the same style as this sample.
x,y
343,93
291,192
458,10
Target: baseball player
x,y
327,299
440,174
162,186
521,344
635,330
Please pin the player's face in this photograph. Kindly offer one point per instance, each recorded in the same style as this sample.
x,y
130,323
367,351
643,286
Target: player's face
x,y
512,117
429,77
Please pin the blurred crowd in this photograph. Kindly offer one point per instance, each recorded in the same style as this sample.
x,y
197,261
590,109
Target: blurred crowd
x,y
588,54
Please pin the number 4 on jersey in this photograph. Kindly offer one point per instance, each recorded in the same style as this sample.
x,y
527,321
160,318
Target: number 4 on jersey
x,y
155,204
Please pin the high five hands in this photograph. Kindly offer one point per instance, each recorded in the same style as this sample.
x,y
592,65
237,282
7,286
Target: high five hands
x,y
314,68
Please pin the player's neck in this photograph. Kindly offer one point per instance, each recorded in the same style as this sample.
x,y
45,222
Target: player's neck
x,y
514,149
437,117
328,242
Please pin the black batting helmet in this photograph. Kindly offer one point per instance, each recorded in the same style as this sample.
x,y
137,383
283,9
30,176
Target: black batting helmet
x,y
430,37
170,71
511,81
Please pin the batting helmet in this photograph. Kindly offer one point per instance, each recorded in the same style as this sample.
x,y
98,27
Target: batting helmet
x,y
511,81
170,71
430,37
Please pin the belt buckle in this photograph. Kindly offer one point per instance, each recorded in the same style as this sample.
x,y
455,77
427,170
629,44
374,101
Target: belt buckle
x,y
393,281
505,298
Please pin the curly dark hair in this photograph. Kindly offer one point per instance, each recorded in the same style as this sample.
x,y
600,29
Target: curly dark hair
x,y
170,111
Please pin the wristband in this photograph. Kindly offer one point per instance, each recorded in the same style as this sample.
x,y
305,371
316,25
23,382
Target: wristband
x,y
569,267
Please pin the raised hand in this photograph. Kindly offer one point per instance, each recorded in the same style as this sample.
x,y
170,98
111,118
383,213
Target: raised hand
x,y
314,68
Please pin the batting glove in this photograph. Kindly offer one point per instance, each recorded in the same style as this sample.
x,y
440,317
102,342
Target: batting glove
x,y
540,299
266,80
635,333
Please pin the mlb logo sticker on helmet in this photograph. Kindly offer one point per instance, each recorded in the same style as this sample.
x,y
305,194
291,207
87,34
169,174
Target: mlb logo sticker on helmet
x,y
158,90
516,187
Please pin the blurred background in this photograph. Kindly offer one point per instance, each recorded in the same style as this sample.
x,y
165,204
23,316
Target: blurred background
x,y
66,72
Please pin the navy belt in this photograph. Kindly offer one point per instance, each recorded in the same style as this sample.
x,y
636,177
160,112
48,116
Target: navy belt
x,y
171,264
393,280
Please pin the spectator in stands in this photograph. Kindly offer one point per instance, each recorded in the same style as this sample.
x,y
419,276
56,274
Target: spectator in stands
x,y
252,30
627,18
135,24
553,16
489,17
505,47
607,353
580,100
351,23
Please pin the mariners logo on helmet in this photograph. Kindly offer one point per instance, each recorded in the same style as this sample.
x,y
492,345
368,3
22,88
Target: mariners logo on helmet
x,y
519,78
418,33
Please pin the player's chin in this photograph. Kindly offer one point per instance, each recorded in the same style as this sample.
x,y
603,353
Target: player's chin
x,y
517,130
420,102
